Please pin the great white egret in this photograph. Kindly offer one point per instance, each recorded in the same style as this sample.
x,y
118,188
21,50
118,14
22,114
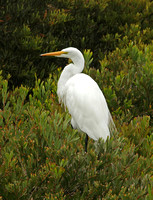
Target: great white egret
x,y
83,98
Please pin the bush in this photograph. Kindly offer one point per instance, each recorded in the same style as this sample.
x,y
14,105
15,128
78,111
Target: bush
x,y
43,158
31,28
125,77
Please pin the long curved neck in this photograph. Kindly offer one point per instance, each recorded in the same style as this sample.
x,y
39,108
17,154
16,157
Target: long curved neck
x,y
70,70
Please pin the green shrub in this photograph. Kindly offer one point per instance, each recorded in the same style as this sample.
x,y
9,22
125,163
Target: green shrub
x,y
43,158
125,78
31,28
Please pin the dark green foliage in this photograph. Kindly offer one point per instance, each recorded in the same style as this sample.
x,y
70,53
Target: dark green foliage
x,y
41,156
29,28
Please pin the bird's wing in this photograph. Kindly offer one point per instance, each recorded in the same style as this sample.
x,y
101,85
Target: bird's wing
x,y
87,106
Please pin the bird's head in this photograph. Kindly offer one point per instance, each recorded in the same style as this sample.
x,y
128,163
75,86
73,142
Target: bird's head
x,y
69,52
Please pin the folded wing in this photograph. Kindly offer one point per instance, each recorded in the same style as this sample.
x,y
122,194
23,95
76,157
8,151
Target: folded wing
x,y
87,106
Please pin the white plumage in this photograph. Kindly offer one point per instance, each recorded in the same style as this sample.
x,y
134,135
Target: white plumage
x,y
83,97
87,106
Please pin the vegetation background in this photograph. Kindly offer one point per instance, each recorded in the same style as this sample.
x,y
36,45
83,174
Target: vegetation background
x,y
41,157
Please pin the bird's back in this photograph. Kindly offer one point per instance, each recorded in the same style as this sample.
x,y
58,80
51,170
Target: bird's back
x,y
87,106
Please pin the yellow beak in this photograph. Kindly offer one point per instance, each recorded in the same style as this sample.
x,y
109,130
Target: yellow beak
x,y
57,53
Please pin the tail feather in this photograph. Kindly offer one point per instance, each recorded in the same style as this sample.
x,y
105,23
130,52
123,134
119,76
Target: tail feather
x,y
111,126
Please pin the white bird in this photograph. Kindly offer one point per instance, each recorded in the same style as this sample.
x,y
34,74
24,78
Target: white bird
x,y
83,98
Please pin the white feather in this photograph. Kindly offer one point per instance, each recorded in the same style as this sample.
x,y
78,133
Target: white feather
x,y
83,98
